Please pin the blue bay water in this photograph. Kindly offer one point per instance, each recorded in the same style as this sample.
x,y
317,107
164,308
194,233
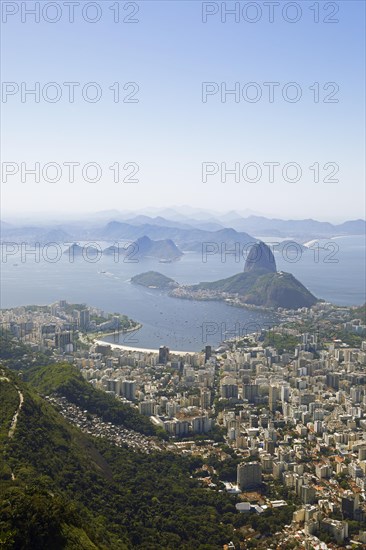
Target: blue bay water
x,y
336,274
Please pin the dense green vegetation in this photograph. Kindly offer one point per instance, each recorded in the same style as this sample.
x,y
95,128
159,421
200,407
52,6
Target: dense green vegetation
x,y
44,454
155,279
73,491
358,313
65,380
328,330
282,342
36,308
271,520
264,289
9,402
18,356
351,339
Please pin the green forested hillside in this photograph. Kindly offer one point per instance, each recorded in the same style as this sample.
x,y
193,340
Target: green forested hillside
x,y
63,489
9,401
65,380
60,488
264,289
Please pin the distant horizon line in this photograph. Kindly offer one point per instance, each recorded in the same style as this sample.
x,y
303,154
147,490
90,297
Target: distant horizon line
x,y
153,212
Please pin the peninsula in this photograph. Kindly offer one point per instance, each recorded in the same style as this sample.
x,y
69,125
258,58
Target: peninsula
x,y
260,284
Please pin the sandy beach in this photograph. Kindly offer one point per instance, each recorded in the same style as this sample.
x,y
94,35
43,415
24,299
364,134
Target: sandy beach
x,y
143,350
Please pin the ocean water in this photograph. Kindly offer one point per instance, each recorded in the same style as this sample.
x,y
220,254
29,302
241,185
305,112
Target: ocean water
x,y
335,272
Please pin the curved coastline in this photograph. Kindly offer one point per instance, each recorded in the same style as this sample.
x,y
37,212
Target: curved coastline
x,y
95,335
143,350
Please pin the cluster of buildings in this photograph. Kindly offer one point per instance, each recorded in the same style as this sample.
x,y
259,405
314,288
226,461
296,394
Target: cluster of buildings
x,y
189,293
356,326
59,325
95,426
176,391
294,417
298,422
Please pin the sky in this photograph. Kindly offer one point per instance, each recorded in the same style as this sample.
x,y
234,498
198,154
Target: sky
x,y
172,133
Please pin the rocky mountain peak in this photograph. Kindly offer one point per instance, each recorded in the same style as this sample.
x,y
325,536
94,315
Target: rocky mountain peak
x,y
260,258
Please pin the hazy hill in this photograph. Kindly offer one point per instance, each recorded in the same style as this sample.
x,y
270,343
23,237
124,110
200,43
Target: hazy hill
x,y
259,225
161,249
54,236
188,230
158,220
186,239
205,225
144,247
78,250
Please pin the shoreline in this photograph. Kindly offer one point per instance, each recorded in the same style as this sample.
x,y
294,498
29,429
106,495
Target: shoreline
x,y
143,350
94,335
220,299
228,301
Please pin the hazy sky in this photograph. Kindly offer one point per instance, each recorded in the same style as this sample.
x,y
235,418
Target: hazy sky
x,y
169,132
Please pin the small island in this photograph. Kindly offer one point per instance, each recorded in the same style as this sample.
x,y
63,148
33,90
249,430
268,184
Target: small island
x,y
153,279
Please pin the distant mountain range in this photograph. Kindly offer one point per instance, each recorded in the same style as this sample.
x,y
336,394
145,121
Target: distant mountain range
x,y
301,229
258,225
186,238
188,231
